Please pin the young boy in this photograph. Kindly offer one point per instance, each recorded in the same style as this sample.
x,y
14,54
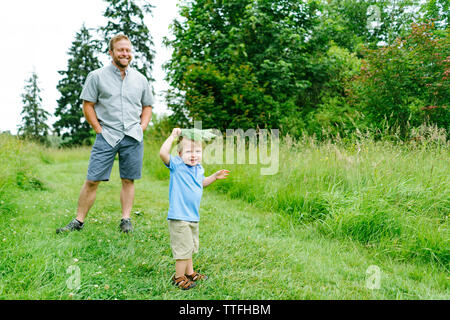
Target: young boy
x,y
187,181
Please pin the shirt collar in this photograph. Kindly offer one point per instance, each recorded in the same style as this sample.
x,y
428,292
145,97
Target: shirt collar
x,y
117,70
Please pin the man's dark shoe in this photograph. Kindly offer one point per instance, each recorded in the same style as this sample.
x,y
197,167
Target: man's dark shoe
x,y
72,226
125,225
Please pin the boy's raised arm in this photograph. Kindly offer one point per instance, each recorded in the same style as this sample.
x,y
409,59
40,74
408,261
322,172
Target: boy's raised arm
x,y
164,152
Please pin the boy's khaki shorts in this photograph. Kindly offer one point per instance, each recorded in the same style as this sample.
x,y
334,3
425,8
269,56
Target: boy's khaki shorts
x,y
184,238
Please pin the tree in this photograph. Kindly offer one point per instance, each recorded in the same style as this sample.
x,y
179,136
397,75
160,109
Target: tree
x,y
75,130
276,63
127,17
33,115
350,23
438,10
242,63
406,82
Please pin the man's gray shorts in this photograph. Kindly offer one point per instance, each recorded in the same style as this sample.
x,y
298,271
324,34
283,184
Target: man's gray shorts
x,y
131,154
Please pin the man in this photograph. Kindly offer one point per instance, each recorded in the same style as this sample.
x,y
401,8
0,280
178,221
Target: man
x,y
117,103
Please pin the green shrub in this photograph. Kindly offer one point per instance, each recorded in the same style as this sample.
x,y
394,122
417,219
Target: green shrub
x,y
406,82
26,181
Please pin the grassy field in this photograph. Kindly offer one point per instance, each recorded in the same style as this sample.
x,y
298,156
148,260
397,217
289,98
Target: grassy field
x,y
310,232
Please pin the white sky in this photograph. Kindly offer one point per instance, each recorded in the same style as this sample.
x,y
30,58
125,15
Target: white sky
x,y
37,35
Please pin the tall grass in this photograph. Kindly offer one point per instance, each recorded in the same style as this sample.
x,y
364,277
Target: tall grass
x,y
249,253
391,195
18,169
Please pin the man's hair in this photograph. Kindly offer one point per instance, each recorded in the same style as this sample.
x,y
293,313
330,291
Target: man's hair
x,y
115,39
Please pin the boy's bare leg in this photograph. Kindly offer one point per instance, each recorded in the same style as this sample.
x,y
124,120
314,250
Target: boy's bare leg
x,y
182,267
86,199
127,197
189,267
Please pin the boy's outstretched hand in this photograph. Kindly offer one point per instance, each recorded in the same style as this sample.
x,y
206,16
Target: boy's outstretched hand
x,y
219,175
222,174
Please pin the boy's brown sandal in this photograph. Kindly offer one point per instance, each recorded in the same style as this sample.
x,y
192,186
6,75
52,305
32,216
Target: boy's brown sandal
x,y
196,276
183,282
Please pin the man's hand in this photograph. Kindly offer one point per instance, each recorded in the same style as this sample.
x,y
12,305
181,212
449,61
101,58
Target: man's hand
x,y
91,116
146,116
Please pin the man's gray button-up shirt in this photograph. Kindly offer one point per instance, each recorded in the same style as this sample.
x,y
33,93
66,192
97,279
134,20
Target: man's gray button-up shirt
x,y
118,103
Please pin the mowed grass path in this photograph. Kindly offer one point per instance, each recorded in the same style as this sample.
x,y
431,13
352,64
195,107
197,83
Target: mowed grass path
x,y
246,252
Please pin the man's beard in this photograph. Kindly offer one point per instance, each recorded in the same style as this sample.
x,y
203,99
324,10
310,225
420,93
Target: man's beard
x,y
120,65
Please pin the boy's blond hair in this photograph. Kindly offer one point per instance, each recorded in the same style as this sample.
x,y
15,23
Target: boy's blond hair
x,y
180,145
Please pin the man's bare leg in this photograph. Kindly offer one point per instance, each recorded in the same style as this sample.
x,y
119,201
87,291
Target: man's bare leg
x,y
127,197
85,202
86,199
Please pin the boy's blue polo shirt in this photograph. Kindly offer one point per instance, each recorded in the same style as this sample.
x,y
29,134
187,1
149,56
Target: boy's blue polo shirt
x,y
185,190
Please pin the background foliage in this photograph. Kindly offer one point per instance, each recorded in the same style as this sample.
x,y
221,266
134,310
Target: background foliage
x,y
292,64
306,67
71,125
34,116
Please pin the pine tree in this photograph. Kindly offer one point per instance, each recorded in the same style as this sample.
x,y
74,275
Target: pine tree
x,y
127,17
74,128
33,115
